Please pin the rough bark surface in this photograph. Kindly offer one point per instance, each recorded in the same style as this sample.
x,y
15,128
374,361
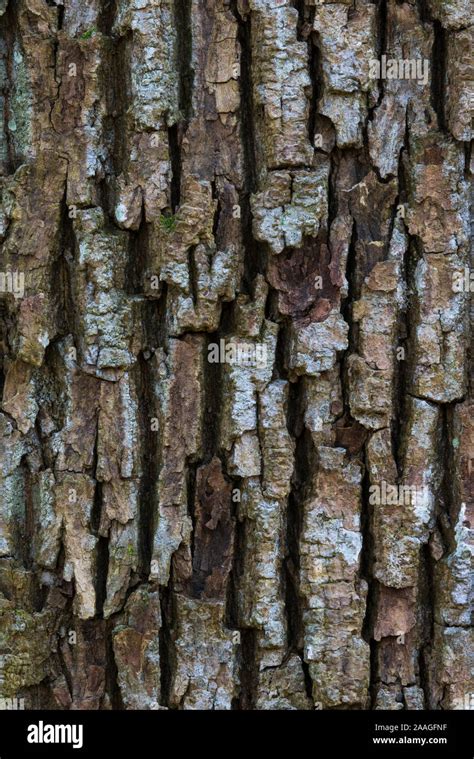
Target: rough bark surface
x,y
186,534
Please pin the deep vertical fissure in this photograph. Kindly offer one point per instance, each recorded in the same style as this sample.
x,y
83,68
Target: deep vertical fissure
x,y
254,252
438,74
304,459
106,16
149,456
174,146
102,551
8,26
184,48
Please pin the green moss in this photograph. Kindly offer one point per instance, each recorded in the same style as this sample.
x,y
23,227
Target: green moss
x,y
23,615
88,33
168,222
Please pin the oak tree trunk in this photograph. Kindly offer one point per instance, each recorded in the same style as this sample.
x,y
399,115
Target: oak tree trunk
x,y
236,429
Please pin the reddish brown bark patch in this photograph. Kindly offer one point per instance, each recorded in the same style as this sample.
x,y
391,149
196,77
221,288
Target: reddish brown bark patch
x,y
214,533
305,280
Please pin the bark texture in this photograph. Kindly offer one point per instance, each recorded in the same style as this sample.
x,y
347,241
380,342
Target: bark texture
x,y
184,534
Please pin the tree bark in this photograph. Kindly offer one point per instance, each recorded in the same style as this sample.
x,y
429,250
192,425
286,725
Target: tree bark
x,y
236,425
